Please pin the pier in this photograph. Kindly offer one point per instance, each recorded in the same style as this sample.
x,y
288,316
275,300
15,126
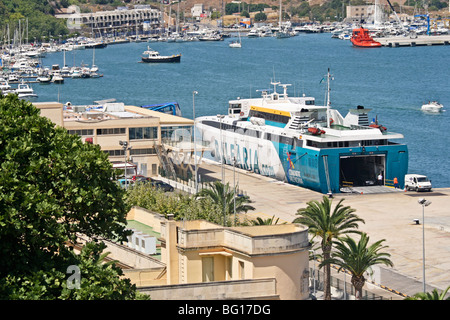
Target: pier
x,y
388,215
403,41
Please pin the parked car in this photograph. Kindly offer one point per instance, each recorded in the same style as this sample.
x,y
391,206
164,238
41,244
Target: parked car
x,y
134,178
142,179
162,185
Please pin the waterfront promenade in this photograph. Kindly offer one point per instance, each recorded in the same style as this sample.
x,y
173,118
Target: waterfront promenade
x,y
387,215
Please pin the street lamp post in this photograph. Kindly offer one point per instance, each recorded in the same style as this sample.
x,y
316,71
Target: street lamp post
x,y
125,147
195,141
424,203
222,168
314,272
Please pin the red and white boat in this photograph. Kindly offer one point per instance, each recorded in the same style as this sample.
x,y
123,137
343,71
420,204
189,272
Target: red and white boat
x,y
361,38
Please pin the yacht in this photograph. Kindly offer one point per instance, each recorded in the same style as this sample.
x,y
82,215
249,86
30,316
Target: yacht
x,y
25,91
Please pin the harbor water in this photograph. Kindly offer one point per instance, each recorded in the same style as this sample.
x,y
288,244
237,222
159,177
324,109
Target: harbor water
x,y
392,82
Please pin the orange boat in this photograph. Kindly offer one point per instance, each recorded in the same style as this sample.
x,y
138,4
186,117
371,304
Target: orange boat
x,y
361,38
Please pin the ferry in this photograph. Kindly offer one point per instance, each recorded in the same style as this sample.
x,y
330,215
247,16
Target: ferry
x,y
296,141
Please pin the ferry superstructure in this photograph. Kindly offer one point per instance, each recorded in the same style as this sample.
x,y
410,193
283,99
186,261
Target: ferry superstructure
x,y
294,140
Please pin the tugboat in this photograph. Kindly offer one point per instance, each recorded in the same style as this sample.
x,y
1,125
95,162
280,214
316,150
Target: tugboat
x,y
361,38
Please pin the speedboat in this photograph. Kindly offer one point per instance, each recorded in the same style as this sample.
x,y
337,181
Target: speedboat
x,y
151,56
24,91
432,106
44,78
361,38
57,77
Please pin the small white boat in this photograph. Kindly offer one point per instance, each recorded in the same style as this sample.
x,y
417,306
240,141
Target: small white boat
x,y
432,106
235,44
45,78
24,91
57,78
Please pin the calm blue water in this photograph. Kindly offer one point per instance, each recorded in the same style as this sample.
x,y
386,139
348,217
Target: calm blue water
x,y
393,82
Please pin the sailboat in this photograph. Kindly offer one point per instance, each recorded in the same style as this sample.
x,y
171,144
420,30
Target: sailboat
x,y
282,32
94,68
237,43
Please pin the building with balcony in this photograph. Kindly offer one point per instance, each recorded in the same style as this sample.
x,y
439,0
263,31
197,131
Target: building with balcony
x,y
140,19
203,260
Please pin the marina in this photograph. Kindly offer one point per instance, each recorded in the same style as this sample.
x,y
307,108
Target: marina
x,y
382,80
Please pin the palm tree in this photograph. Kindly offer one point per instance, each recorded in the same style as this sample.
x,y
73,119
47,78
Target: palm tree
x,y
434,295
265,222
328,225
225,198
358,258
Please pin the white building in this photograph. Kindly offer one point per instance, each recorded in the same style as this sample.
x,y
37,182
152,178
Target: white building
x,y
197,10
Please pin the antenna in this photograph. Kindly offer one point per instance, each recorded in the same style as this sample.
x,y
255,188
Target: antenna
x,y
329,78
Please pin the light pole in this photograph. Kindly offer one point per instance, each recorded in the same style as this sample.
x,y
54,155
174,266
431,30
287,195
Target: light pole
x,y
234,195
314,272
125,147
195,141
222,156
424,203
223,170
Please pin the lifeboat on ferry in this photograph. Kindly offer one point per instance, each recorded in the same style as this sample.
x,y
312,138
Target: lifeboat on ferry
x,y
315,131
361,38
378,126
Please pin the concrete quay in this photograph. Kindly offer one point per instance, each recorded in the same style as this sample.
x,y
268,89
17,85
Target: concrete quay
x,y
387,215
403,41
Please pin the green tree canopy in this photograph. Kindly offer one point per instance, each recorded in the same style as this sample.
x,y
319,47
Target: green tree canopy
x,y
52,187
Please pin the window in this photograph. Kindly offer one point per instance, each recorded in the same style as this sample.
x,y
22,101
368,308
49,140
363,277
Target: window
x,y
115,153
83,132
136,152
143,133
111,131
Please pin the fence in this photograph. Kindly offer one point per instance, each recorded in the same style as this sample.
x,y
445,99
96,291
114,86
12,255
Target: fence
x,y
340,289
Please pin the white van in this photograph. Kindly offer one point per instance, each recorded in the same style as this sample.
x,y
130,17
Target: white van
x,y
417,182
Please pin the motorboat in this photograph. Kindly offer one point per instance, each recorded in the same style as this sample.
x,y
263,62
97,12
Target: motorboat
x,y
361,38
152,56
235,44
25,91
57,77
44,78
432,106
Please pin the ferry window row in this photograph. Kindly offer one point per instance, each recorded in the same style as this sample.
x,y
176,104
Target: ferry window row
x,y
143,133
344,144
269,116
257,134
